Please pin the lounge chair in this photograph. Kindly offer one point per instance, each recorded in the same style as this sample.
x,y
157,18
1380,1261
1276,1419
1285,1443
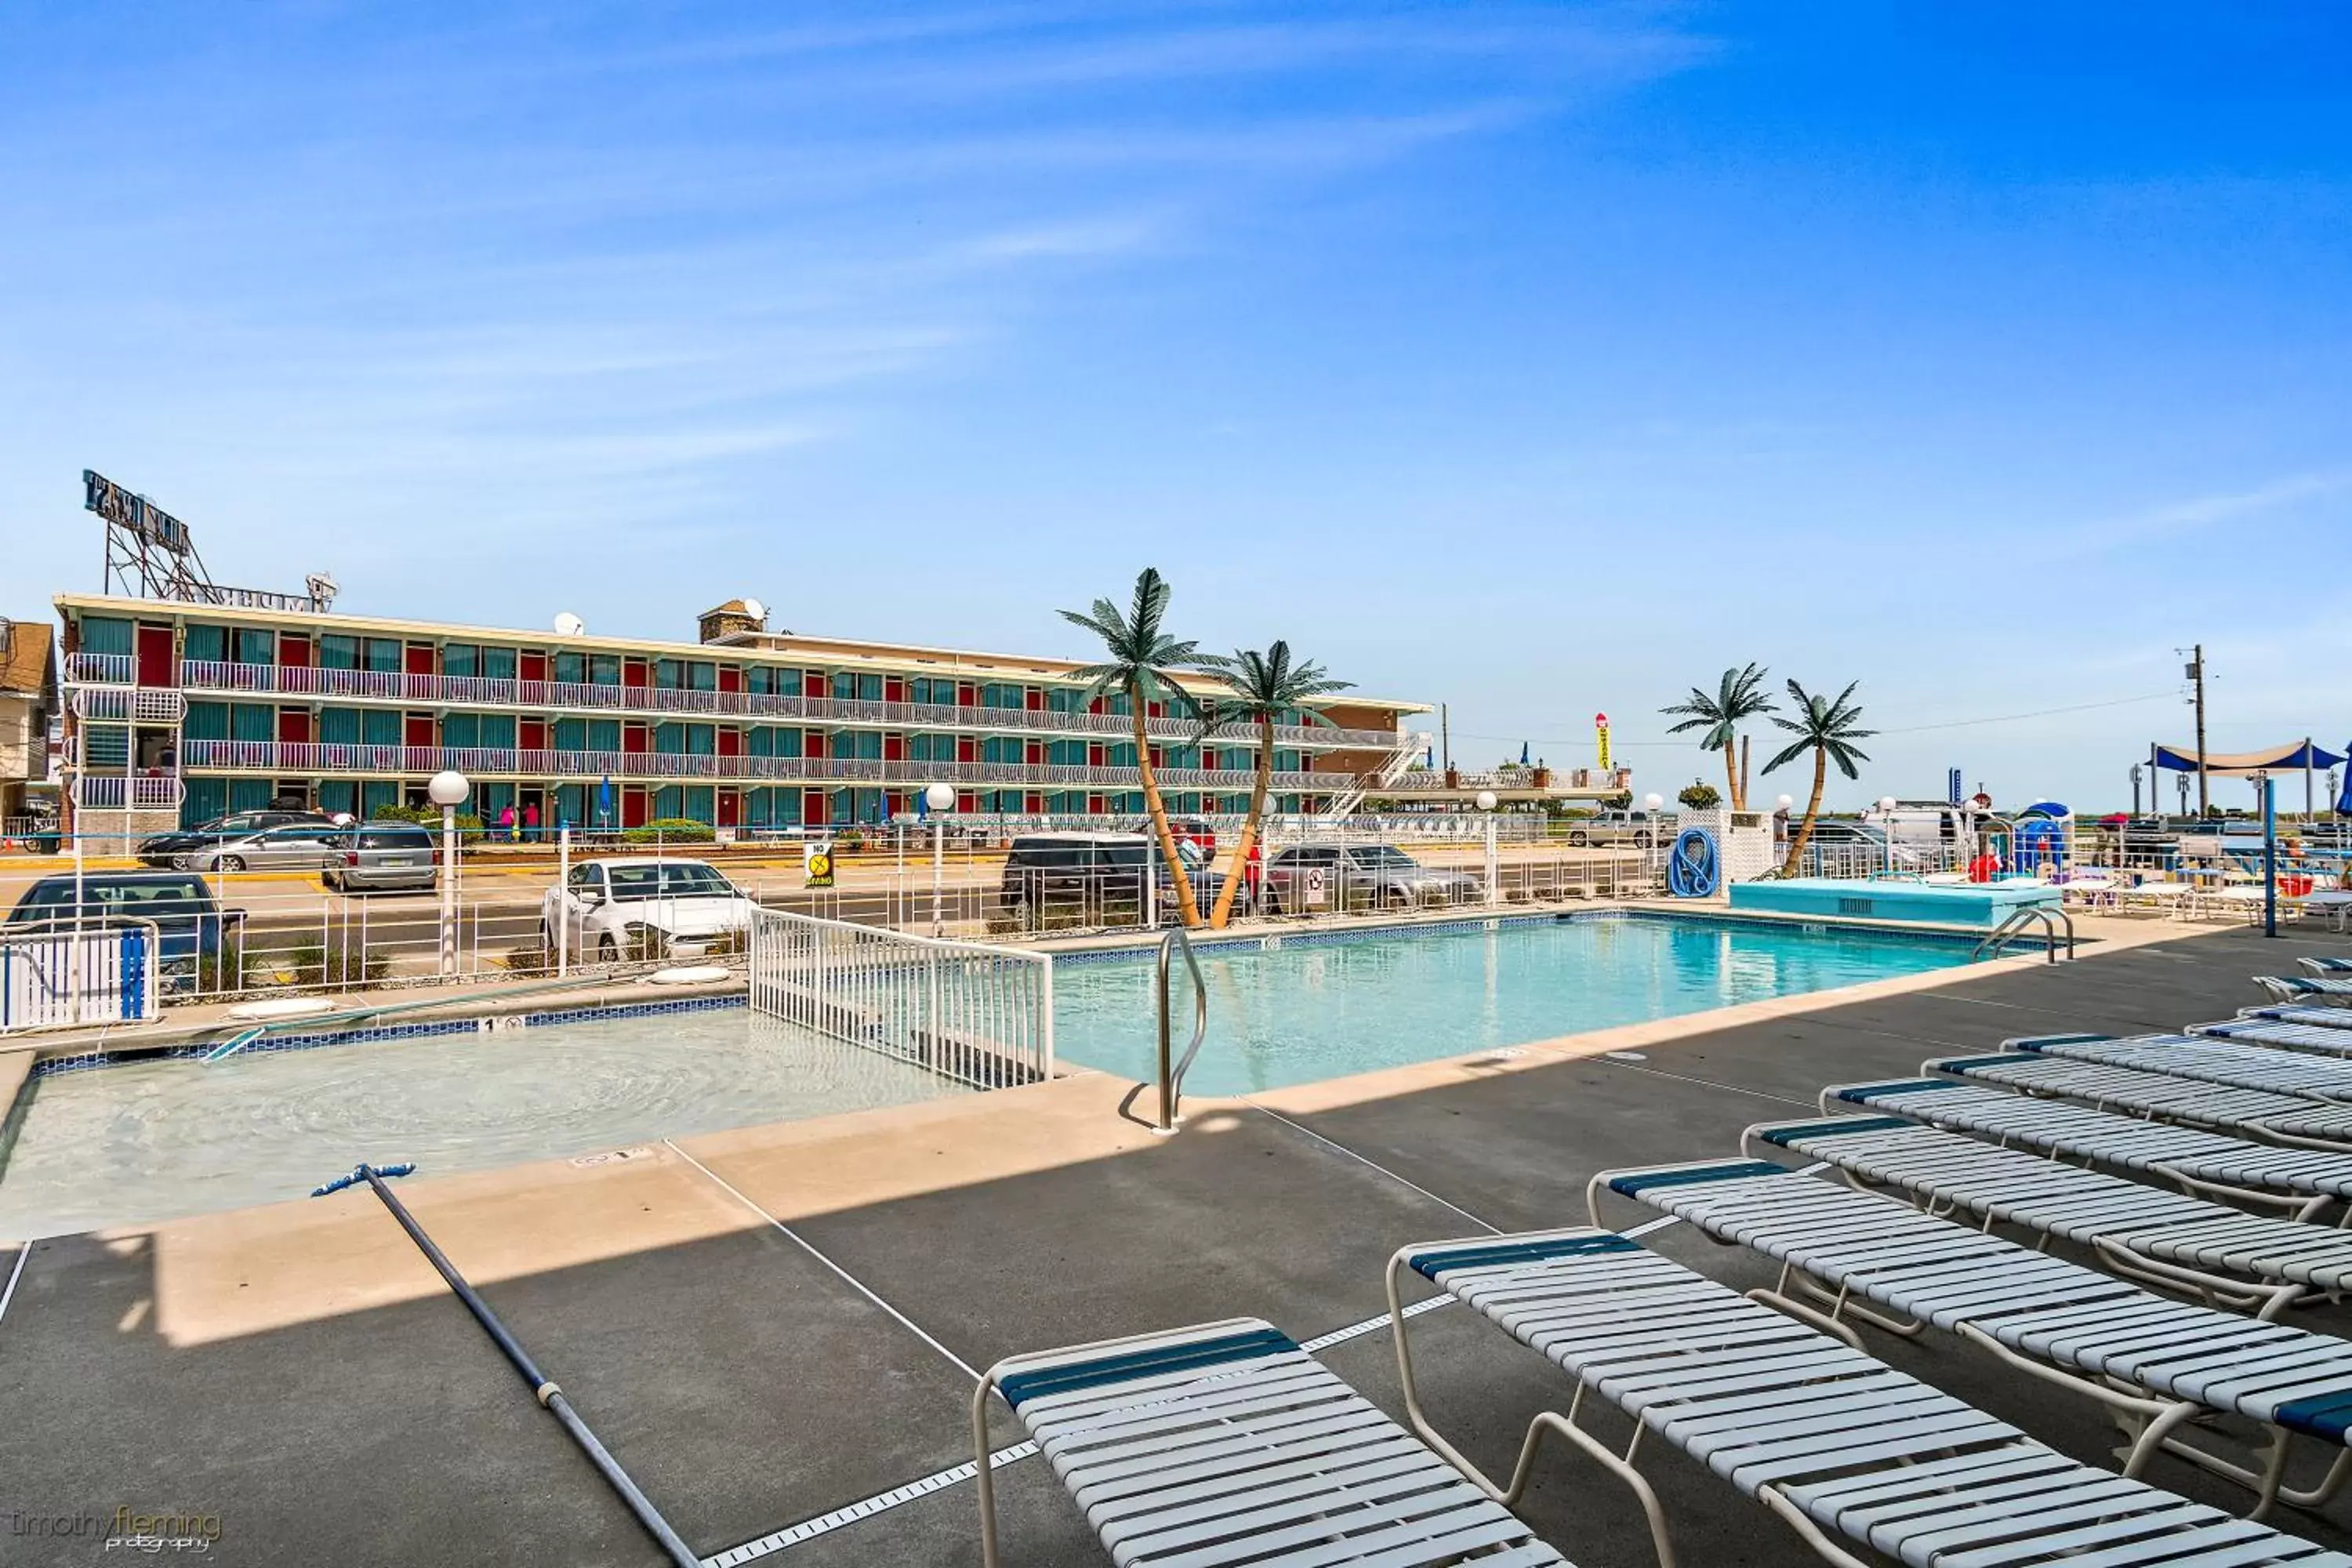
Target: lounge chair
x,y
2165,1237
2317,1038
2208,1060
2335,903
1845,1254
2260,1113
1835,1442
1227,1443
2302,1180
2326,1018
2287,987
2327,965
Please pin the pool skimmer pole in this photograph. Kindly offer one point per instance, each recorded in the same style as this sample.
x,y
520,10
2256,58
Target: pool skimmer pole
x,y
543,1388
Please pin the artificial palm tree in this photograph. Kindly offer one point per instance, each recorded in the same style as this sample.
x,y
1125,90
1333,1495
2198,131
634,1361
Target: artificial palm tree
x,y
1142,665
1739,698
1263,686
1828,728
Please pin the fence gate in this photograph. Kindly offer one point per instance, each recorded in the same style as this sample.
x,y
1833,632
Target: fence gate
x,y
981,1016
51,979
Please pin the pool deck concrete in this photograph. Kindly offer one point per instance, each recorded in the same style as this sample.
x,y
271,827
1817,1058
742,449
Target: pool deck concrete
x,y
770,1324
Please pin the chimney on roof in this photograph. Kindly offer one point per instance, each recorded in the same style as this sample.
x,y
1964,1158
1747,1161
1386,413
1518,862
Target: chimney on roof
x,y
733,619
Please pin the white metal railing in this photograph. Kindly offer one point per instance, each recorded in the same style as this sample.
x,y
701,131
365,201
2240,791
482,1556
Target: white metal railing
x,y
323,757
136,792
598,697
981,1016
129,704
53,979
110,668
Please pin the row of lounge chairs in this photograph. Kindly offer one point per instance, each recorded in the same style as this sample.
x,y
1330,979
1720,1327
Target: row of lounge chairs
x,y
1227,1443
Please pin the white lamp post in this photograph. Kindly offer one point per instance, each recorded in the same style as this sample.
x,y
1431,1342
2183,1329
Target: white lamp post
x,y
1486,805
1886,827
938,799
449,790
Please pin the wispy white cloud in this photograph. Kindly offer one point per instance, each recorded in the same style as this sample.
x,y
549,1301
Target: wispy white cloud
x,y
2193,514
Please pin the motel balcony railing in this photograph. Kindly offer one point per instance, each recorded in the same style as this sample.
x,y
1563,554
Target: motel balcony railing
x,y
591,696
134,792
292,757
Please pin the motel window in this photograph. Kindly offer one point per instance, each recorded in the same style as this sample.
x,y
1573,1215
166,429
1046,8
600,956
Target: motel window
x,y
1066,753
1001,749
498,731
1120,755
573,668
105,634
252,721
669,673
1062,700
339,650
1000,694
379,727
701,740
461,729
207,644
701,675
669,801
571,734
669,740
383,654
339,726
604,670
255,646
206,722
937,690
603,735
499,663
461,658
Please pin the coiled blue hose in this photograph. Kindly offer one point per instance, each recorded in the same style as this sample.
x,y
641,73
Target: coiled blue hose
x,y
1693,869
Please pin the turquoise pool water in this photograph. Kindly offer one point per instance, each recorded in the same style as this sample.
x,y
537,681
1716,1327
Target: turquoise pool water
x,y
1303,1011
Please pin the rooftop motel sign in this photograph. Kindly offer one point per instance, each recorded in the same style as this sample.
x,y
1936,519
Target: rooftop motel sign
x,y
141,517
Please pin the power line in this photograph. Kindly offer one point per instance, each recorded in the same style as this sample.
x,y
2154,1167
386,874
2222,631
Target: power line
x,y
1905,730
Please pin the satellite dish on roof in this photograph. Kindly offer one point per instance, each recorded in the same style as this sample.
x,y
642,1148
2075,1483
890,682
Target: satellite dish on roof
x,y
323,589
568,624
756,610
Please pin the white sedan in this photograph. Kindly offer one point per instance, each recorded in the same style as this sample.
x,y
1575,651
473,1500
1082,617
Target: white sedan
x,y
607,910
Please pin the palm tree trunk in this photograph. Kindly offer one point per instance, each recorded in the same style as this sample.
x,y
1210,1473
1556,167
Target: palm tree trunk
x,y
1258,792
1186,910
1730,774
1812,810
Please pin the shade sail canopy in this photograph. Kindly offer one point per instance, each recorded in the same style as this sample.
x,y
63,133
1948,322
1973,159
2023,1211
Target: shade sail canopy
x,y
2294,757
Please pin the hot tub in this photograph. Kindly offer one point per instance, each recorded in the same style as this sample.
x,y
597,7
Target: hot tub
x,y
1982,905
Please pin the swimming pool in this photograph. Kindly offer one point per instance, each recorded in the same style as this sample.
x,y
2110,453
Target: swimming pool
x,y
1313,1009
158,1138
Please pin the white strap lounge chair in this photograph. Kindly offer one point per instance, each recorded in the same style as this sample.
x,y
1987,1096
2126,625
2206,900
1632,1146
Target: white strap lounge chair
x,y
2255,1113
1225,1444
2209,1060
2327,965
2287,987
2302,1180
2317,1038
2083,1330
2167,1237
1839,1444
2301,1013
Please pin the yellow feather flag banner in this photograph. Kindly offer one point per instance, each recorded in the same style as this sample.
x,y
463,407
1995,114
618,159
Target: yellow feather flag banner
x,y
1600,727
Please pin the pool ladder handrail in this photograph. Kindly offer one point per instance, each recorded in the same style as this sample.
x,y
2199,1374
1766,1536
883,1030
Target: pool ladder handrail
x,y
1997,938
1171,1078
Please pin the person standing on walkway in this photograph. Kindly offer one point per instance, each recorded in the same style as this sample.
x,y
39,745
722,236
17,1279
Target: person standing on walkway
x,y
531,822
507,822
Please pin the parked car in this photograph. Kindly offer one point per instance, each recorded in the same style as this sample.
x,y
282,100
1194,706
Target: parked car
x,y
1859,847
1095,878
381,855
1197,831
1636,827
656,908
1309,877
189,921
170,850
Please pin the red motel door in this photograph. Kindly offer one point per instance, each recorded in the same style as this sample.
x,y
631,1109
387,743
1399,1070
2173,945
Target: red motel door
x,y
417,658
416,730
730,679
967,749
633,740
155,657
731,806
634,672
894,748
532,736
815,809
294,726
294,651
533,666
633,805
731,741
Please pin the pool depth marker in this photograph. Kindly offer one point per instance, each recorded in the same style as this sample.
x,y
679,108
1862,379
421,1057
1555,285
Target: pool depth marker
x,y
542,1387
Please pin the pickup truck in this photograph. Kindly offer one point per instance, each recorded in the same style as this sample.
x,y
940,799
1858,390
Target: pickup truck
x,y
1635,827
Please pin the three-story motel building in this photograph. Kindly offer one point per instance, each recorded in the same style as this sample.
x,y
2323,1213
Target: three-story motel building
x,y
185,710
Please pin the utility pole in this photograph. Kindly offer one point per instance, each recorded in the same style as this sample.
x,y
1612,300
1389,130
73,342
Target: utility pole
x,y
2197,674
1444,741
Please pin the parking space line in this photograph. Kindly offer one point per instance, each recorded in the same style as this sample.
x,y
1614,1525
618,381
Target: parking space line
x,y
8,1292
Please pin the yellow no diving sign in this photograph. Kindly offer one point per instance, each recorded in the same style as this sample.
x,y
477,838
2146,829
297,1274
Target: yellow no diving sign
x,y
816,859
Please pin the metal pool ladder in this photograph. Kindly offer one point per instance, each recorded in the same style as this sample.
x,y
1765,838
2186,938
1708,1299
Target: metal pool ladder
x,y
1171,1080
2051,920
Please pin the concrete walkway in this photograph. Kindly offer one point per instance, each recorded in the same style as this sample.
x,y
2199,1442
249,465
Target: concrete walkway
x,y
771,1324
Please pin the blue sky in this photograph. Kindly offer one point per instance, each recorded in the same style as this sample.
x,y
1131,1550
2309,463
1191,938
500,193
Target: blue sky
x,y
1541,359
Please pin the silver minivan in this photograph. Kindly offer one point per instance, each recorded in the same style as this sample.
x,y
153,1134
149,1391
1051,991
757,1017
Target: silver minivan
x,y
383,855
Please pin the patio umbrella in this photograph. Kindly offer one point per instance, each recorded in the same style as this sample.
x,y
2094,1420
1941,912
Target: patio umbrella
x,y
1522,753
604,801
2344,801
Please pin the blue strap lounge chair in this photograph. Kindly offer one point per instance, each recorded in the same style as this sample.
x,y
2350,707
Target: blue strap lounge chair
x,y
2154,1362
2255,1113
1225,1444
2287,987
2302,1180
1842,1446
2316,1038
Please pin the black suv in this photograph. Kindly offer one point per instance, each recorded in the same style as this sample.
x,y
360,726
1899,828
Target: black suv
x,y
162,849
1055,881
